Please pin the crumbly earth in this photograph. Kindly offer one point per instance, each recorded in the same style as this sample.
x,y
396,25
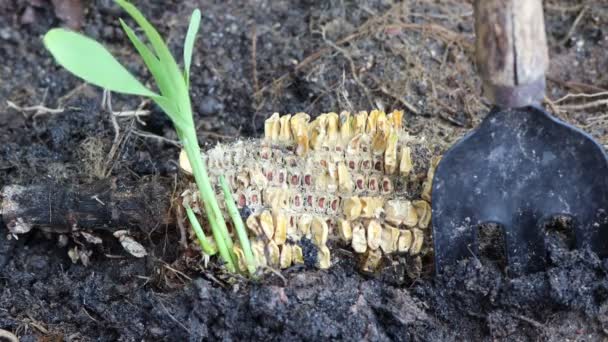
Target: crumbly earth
x,y
312,56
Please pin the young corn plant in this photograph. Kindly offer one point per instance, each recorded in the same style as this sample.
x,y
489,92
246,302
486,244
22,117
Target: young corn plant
x,y
89,60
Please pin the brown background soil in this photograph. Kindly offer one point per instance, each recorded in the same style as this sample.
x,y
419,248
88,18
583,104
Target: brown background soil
x,y
252,59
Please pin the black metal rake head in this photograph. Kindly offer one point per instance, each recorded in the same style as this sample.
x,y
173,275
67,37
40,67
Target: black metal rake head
x,y
521,167
518,169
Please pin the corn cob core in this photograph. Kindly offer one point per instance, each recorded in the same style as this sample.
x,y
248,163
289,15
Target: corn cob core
x,y
360,179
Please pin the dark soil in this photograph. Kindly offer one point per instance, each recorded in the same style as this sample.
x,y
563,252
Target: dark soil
x,y
313,56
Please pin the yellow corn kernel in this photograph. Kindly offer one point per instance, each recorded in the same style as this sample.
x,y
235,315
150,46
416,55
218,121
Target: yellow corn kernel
x,y
371,261
333,128
276,197
380,137
346,129
390,154
351,208
400,211
371,207
423,210
285,129
280,228
405,240
359,241
253,224
240,258
405,161
273,254
396,119
372,119
257,247
242,179
184,163
345,231
285,259
345,182
354,144
379,141
418,239
360,122
324,258
296,122
257,178
267,224
317,131
428,183
272,128
426,190
299,130
292,228
304,223
382,124
374,234
332,178
390,238
319,231
297,255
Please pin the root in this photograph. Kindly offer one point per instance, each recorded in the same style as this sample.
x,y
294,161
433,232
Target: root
x,y
92,151
580,15
156,137
39,109
396,97
587,105
353,70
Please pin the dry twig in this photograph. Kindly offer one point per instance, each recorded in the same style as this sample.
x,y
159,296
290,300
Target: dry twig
x,y
573,27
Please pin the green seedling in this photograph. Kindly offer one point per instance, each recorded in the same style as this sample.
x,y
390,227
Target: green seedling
x,y
90,61
239,226
206,245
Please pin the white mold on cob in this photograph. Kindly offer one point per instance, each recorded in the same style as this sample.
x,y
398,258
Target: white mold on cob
x,y
360,180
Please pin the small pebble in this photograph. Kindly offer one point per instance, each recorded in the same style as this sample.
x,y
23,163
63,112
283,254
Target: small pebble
x,y
209,105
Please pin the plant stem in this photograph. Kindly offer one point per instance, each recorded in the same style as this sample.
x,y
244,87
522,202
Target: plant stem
x,y
206,245
212,209
239,226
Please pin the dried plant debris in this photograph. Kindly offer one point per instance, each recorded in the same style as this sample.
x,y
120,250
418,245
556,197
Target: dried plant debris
x,y
356,179
134,248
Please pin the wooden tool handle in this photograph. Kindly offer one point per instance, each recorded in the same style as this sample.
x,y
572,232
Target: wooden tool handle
x,y
511,50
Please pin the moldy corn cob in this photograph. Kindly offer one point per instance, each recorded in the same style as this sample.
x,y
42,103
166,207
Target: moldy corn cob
x,y
359,179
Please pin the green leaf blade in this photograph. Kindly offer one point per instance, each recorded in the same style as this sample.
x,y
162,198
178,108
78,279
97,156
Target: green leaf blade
x,y
195,23
180,94
152,62
161,49
89,60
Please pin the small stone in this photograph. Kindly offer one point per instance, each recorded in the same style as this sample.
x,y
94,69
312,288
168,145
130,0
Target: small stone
x,y
209,105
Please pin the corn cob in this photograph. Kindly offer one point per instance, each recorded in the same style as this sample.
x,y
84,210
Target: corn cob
x,y
360,180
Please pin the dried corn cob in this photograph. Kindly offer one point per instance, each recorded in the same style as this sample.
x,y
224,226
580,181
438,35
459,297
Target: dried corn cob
x,y
359,179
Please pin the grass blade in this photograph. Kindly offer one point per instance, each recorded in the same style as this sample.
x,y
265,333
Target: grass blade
x,y
180,122
214,215
151,61
206,245
195,23
239,226
89,60
172,71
